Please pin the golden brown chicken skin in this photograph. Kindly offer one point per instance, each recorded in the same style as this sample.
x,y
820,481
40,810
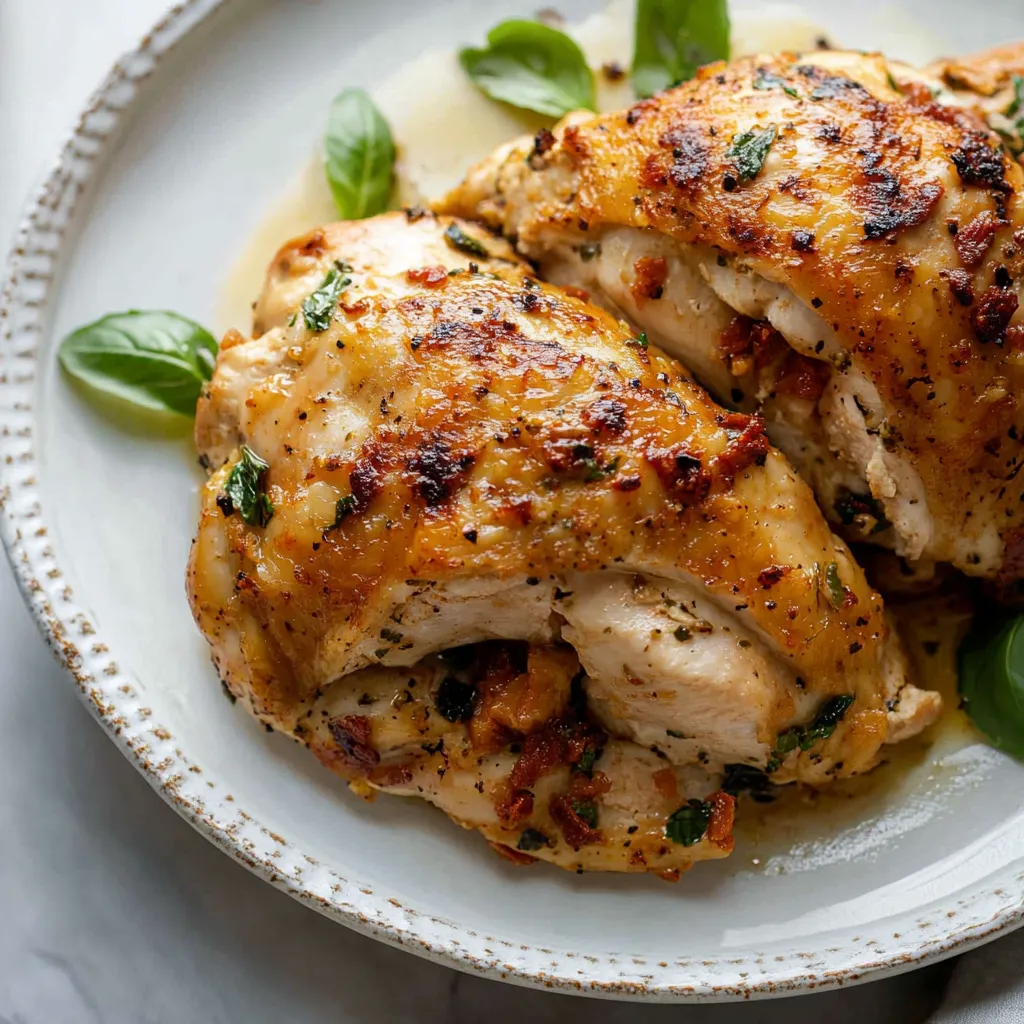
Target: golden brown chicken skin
x,y
820,242
458,453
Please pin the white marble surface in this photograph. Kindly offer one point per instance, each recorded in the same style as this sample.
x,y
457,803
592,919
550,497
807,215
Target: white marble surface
x,y
111,907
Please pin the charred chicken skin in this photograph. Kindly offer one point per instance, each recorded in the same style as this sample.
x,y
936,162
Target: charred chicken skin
x,y
817,238
449,452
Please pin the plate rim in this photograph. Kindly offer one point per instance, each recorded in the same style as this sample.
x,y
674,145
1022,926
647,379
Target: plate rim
x,y
27,289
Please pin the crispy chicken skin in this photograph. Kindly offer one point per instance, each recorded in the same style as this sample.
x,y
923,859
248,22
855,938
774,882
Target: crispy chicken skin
x,y
464,455
860,286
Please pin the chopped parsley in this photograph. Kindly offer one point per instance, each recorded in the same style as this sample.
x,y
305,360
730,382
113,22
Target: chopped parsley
x,y
244,489
749,150
640,341
689,824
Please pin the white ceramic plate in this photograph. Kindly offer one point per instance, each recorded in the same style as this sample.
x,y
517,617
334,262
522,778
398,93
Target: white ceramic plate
x,y
172,166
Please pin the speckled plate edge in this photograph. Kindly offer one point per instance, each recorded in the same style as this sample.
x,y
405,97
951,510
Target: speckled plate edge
x,y
983,911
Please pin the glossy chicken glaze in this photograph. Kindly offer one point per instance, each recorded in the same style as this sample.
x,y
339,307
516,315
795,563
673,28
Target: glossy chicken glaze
x,y
882,239
513,464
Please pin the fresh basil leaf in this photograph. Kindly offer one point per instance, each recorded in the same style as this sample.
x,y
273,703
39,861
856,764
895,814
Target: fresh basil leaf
x,y
463,241
359,156
531,66
749,150
318,309
992,680
689,824
674,38
244,489
151,358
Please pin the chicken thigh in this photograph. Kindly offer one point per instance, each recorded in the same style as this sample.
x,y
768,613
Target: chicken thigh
x,y
816,238
424,447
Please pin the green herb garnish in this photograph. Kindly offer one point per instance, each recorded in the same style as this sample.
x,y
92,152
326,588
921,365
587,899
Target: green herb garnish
x,y
318,309
834,586
689,824
749,150
343,508
991,662
594,471
533,67
1017,106
462,241
150,358
454,699
359,156
850,507
585,765
244,488
675,37
531,839
640,341
586,811
829,715
746,778
765,79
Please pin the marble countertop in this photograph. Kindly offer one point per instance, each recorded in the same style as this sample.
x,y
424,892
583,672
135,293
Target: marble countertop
x,y
111,907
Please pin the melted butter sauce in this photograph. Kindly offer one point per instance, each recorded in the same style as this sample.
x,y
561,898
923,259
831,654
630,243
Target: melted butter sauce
x,y
431,99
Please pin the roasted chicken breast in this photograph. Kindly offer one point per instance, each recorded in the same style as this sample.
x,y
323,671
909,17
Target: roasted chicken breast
x,y
440,451
818,238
